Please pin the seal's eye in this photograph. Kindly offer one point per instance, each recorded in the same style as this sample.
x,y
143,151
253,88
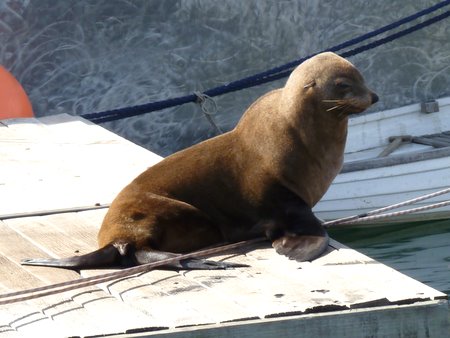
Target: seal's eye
x,y
343,85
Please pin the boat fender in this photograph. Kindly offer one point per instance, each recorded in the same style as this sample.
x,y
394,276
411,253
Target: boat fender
x,y
14,102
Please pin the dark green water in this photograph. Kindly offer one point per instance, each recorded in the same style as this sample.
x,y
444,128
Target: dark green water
x,y
419,250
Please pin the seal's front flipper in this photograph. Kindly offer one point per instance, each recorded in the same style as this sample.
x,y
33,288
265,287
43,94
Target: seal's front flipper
x,y
106,256
297,233
145,256
302,247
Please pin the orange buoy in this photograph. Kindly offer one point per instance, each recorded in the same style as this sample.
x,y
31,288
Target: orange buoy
x,y
14,102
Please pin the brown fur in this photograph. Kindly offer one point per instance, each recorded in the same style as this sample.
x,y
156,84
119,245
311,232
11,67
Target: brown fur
x,y
262,178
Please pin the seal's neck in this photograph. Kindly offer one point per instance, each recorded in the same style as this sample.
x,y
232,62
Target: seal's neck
x,y
316,140
296,143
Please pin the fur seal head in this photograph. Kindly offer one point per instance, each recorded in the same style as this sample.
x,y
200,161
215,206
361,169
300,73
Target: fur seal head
x,y
327,83
300,130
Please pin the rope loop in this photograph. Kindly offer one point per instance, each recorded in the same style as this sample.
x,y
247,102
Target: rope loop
x,y
209,108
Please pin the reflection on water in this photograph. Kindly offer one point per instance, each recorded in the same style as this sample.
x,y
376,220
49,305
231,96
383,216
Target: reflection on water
x,y
419,250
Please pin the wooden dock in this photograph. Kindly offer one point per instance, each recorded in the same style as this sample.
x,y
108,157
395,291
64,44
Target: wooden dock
x,y
51,165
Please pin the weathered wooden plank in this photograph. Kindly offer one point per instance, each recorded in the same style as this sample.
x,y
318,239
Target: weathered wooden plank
x,y
265,288
15,277
61,313
341,278
60,235
19,319
162,310
81,238
52,240
14,248
200,303
65,158
174,300
39,310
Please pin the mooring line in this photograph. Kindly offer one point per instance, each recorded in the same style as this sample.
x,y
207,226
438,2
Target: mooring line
x,y
93,280
397,213
364,216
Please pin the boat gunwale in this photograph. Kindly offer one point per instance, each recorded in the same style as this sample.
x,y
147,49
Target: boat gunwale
x,y
393,160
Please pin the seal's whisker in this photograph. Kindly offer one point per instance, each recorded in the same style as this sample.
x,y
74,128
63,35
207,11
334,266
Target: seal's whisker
x,y
334,107
339,103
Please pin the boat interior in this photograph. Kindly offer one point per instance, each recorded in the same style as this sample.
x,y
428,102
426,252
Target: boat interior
x,y
401,149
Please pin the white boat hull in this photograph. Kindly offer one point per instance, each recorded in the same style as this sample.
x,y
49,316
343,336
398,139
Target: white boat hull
x,y
360,191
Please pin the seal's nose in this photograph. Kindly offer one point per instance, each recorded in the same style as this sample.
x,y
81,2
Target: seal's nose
x,y
374,98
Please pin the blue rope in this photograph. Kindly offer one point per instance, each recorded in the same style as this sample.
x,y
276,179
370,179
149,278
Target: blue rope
x,y
278,72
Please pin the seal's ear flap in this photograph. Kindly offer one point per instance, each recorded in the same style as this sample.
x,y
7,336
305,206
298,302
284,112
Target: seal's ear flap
x,y
309,85
302,247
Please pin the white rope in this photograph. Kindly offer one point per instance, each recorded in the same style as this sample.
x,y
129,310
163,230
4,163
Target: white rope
x,y
363,217
397,213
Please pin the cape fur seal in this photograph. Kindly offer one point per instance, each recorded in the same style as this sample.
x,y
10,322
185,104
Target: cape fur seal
x,y
260,179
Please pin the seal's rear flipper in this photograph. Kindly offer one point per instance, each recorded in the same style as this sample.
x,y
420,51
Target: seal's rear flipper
x,y
106,256
145,256
302,247
122,254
